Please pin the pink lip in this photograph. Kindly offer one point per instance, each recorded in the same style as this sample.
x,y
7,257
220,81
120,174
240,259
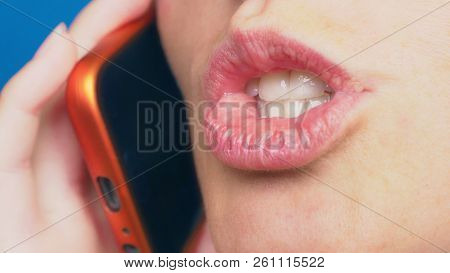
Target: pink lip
x,y
240,138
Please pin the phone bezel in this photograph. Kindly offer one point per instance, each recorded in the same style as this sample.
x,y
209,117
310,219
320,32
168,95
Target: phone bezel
x,y
98,149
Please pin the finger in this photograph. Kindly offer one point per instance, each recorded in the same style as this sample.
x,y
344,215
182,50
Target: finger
x,y
21,103
62,183
57,159
25,95
101,17
57,163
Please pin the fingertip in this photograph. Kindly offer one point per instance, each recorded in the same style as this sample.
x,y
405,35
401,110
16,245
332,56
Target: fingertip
x,y
40,78
25,95
51,40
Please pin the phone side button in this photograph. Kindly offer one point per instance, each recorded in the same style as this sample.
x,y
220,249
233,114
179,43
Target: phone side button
x,y
109,193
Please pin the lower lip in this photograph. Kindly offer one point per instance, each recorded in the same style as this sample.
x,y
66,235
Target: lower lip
x,y
242,139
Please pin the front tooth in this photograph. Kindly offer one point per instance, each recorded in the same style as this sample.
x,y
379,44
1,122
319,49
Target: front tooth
x,y
306,85
294,108
270,109
285,109
274,86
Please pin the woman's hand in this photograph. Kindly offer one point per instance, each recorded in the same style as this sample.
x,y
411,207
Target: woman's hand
x,y
44,187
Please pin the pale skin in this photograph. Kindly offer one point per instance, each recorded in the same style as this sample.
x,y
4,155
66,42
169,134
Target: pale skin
x,y
386,187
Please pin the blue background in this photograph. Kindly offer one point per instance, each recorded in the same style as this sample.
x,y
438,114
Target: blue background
x,y
20,36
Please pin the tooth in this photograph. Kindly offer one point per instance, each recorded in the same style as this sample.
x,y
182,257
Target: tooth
x,y
252,87
262,109
270,109
285,109
288,94
274,86
314,102
294,108
305,85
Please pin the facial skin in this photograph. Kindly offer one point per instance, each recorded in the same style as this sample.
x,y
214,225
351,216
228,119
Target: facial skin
x,y
388,182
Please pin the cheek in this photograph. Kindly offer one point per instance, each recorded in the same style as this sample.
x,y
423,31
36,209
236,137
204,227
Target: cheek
x,y
189,40
165,11
171,16
164,6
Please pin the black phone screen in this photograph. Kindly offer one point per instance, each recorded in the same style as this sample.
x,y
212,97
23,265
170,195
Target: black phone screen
x,y
149,131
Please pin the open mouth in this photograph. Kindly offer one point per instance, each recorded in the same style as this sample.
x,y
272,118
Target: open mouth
x,y
277,104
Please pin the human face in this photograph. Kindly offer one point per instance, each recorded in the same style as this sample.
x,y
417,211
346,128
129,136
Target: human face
x,y
376,176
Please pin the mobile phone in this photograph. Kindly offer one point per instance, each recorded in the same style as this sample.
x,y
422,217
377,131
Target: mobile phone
x,y
150,196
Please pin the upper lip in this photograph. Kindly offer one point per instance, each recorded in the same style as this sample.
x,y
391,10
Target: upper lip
x,y
249,54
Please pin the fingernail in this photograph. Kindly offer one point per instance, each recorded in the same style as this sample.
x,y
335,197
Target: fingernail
x,y
59,32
